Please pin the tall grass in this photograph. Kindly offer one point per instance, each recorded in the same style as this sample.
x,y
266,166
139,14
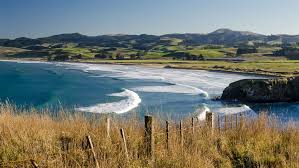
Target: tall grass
x,y
30,136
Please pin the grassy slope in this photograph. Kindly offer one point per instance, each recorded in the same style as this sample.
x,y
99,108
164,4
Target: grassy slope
x,y
31,136
10,50
77,50
256,63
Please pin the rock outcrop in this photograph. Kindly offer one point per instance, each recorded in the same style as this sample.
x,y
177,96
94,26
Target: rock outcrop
x,y
263,90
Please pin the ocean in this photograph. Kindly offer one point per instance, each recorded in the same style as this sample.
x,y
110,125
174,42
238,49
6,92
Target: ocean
x,y
124,90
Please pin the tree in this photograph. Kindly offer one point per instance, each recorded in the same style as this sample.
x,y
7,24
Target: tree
x,y
102,55
120,56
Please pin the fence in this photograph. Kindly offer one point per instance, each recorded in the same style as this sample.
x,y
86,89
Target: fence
x,y
212,123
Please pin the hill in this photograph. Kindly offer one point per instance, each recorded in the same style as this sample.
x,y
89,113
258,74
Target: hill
x,y
219,37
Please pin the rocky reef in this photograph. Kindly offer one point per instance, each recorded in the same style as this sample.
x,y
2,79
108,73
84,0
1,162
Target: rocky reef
x,y
263,90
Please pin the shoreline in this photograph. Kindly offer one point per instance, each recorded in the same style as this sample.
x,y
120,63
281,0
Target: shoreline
x,y
159,65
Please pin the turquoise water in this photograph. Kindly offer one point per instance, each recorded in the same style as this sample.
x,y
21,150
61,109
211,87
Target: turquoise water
x,y
124,90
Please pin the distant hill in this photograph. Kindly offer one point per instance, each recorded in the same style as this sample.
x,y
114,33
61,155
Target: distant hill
x,y
19,42
219,37
62,38
224,37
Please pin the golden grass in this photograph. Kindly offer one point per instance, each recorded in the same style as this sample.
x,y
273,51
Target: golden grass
x,y
30,136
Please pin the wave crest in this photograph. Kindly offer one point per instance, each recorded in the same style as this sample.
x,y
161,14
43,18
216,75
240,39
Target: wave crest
x,y
123,106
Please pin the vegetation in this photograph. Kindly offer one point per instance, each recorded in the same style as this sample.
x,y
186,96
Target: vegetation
x,y
27,136
222,50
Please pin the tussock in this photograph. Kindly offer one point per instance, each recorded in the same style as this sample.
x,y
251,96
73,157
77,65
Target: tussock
x,y
27,137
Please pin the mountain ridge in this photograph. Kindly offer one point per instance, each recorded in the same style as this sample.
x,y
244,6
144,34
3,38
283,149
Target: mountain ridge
x,y
221,36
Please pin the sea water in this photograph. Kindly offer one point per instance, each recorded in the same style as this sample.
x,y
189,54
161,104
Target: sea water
x,y
124,90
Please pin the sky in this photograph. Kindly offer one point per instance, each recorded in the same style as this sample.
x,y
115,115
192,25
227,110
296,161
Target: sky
x,y
40,18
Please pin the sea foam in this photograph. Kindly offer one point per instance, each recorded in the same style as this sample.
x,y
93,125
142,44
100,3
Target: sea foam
x,y
132,101
244,109
175,88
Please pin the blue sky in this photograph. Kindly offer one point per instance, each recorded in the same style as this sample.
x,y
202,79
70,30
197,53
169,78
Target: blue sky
x,y
38,18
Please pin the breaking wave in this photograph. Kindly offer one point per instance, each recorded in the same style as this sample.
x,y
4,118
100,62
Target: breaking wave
x,y
176,88
132,101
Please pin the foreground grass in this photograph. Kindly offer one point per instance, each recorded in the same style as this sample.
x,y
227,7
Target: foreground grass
x,y
29,136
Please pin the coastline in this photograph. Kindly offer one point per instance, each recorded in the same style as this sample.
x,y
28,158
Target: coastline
x,y
172,65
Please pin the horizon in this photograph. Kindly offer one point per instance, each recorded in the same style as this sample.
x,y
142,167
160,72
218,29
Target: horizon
x,y
35,19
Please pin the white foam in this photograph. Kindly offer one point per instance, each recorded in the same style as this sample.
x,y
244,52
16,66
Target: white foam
x,y
202,113
132,101
244,109
26,62
222,111
202,82
183,89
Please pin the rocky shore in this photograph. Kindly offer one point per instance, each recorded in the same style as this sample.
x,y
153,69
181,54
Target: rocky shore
x,y
263,90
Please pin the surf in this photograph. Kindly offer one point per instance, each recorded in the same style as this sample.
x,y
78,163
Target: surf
x,y
131,102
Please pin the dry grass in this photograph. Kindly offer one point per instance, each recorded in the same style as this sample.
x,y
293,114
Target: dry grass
x,y
24,137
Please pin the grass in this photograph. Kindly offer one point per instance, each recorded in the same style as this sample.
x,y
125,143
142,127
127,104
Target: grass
x,y
26,135
208,53
85,52
10,50
264,67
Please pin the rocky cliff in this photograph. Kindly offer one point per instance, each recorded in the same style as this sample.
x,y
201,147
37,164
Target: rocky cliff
x,y
263,90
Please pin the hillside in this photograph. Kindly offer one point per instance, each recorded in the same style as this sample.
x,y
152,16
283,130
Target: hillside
x,y
219,37
223,48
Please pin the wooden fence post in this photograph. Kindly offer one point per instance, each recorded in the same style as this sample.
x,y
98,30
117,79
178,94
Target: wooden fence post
x,y
108,127
192,126
225,121
149,136
181,134
65,146
34,164
167,135
218,123
236,120
209,120
122,133
241,120
231,121
90,144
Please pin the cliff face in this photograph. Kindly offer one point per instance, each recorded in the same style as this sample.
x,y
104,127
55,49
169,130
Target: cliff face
x,y
263,90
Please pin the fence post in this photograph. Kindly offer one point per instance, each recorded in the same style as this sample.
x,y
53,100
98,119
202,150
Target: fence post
x,y
218,123
167,135
34,164
149,137
231,121
236,120
108,127
241,120
209,120
90,144
65,145
192,124
122,133
181,134
225,121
